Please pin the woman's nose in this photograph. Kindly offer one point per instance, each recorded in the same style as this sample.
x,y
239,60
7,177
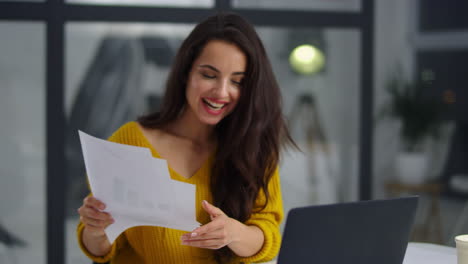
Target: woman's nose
x,y
222,88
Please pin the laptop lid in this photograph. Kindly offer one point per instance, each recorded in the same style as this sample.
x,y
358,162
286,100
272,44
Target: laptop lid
x,y
365,232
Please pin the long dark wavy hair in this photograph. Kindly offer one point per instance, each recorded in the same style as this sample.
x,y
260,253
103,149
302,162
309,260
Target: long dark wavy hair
x,y
250,138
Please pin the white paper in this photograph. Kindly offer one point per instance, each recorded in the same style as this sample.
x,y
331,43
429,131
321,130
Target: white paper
x,y
136,187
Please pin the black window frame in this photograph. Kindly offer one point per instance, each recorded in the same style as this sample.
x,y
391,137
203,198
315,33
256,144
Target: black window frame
x,y
56,13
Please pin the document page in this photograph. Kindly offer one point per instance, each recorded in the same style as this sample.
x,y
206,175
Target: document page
x,y
136,187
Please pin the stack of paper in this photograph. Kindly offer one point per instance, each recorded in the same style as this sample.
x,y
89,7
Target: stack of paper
x,y
136,187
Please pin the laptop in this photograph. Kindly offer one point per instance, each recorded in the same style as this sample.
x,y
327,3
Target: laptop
x,y
364,232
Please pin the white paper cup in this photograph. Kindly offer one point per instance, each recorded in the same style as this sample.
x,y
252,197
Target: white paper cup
x,y
462,249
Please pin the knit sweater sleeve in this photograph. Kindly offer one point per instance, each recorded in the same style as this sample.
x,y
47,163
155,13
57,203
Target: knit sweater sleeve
x,y
122,135
268,220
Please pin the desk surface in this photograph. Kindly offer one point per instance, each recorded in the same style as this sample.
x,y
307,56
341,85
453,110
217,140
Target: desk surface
x,y
425,253
418,253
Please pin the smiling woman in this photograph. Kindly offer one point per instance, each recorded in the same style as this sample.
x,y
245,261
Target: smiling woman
x,y
214,81
220,127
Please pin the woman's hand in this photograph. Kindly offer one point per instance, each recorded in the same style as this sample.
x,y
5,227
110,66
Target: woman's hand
x,y
221,231
95,221
93,218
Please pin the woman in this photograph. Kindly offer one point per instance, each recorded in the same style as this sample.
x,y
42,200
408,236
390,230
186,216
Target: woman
x,y
220,127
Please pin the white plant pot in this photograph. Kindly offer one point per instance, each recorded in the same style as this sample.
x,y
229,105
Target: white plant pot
x,y
412,167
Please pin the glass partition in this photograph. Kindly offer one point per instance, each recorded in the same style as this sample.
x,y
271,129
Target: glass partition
x,y
22,156
420,142
115,72
318,72
32,1
158,3
309,5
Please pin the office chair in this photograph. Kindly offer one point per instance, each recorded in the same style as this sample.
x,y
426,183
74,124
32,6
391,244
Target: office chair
x,y
109,95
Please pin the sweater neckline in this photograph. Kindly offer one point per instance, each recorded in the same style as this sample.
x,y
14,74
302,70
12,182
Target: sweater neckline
x,y
175,175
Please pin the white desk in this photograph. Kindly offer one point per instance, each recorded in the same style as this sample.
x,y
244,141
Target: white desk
x,y
424,253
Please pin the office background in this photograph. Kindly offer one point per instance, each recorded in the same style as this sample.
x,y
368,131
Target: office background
x,y
95,64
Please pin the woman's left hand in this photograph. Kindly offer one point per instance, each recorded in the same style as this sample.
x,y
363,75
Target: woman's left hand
x,y
221,231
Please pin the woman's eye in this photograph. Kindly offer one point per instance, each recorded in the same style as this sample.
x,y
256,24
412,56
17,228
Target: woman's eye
x,y
208,76
238,83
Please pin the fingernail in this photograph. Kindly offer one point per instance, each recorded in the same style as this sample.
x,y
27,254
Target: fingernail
x,y
193,234
204,202
102,207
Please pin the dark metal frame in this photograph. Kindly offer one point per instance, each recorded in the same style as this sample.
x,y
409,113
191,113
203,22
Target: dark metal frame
x,y
55,13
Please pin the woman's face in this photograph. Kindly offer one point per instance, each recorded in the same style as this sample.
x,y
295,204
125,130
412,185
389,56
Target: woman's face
x,y
214,82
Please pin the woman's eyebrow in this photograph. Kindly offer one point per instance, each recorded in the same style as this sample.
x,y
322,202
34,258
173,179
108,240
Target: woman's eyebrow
x,y
209,67
218,71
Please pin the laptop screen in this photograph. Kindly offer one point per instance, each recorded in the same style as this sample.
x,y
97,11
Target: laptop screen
x,y
365,232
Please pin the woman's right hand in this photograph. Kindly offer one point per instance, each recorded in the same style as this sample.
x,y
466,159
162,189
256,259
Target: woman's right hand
x,y
93,218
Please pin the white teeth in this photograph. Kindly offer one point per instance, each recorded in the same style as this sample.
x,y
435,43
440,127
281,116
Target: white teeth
x,y
212,104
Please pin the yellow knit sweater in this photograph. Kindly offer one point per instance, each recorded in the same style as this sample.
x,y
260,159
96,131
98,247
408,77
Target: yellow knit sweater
x,y
150,244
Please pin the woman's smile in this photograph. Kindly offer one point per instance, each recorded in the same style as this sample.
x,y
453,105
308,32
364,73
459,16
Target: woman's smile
x,y
213,106
214,86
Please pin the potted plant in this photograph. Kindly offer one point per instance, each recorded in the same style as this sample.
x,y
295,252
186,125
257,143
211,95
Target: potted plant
x,y
420,119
